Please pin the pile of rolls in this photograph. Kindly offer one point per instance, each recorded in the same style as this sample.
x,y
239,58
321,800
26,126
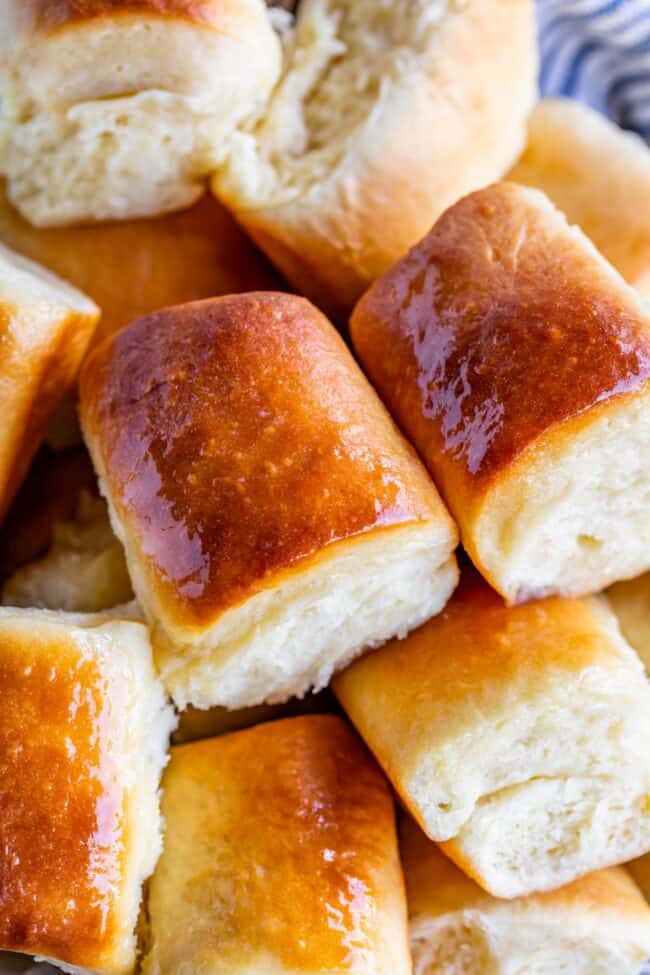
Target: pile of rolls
x,y
325,562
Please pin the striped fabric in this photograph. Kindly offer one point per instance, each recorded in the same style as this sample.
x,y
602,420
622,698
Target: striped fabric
x,y
598,51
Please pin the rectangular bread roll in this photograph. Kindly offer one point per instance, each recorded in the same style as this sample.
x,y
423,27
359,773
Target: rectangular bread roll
x,y
280,857
599,925
517,361
598,175
518,737
264,497
84,728
45,328
120,108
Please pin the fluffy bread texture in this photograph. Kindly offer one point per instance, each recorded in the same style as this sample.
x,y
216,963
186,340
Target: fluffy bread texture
x,y
280,857
264,498
386,113
598,175
133,267
517,361
84,570
630,600
595,926
114,110
518,737
45,328
84,728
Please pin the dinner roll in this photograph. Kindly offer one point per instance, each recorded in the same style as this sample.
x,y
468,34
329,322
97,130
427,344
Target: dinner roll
x,y
133,267
386,113
280,856
598,175
599,925
630,600
517,362
516,736
265,500
45,327
121,108
84,728
84,570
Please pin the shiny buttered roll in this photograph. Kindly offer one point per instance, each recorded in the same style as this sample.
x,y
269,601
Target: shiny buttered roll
x,y
266,502
598,175
598,925
517,361
630,600
84,727
133,267
121,108
45,328
518,737
280,856
386,113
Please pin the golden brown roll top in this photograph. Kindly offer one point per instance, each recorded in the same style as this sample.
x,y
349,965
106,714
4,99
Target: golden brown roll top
x,y
45,327
598,175
630,600
508,349
594,926
280,856
516,736
133,267
83,734
241,449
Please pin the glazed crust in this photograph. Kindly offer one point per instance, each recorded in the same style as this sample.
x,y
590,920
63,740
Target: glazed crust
x,y
180,257
50,15
237,438
477,340
62,834
289,828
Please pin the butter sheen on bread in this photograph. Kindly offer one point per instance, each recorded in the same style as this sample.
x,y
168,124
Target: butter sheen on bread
x,y
517,361
280,857
264,497
84,730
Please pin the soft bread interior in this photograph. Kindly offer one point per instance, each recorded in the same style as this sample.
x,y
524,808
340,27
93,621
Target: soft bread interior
x,y
597,924
347,66
630,600
503,941
571,517
140,740
125,117
546,832
83,572
292,636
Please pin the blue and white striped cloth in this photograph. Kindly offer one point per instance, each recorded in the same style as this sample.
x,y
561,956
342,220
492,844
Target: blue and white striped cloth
x,y
598,51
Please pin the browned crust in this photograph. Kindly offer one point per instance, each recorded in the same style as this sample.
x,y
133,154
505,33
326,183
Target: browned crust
x,y
498,327
133,267
298,828
62,841
50,15
237,437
